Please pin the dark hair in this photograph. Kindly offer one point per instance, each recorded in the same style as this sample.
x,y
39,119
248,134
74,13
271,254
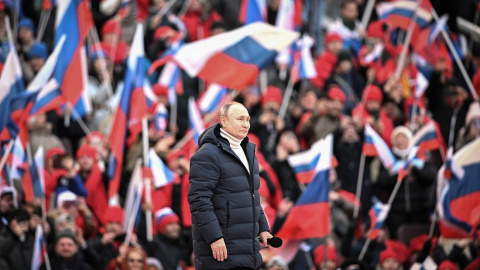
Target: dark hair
x,y
20,215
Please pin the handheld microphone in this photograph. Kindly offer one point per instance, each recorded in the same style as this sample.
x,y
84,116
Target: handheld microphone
x,y
274,242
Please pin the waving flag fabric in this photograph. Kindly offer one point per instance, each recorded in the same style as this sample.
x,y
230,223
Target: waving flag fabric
x,y
375,146
304,163
212,98
378,214
421,85
162,175
39,248
171,76
11,84
233,59
34,180
428,138
400,13
310,217
425,37
160,119
18,159
459,195
133,200
303,67
129,113
402,166
195,119
74,20
253,11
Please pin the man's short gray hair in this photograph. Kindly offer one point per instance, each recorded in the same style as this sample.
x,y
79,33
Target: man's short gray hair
x,y
226,108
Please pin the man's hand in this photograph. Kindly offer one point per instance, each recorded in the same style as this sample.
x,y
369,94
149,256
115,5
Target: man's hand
x,y
265,236
219,250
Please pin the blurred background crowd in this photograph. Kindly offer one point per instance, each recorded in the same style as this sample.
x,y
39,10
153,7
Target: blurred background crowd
x,y
356,83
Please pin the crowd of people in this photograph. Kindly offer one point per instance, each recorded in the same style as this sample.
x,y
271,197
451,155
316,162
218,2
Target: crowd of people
x,y
351,89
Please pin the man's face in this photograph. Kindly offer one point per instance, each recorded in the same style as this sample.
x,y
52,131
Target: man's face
x,y
390,264
25,34
335,107
172,230
350,12
113,227
6,203
86,163
237,122
36,63
66,248
335,46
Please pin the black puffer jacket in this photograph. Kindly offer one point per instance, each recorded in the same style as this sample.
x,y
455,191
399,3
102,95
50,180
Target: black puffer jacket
x,y
224,202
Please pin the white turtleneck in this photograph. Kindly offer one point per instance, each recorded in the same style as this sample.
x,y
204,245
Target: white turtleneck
x,y
236,147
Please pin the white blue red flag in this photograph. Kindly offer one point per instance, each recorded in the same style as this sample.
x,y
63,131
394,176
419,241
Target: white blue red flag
x,y
378,214
39,248
212,98
133,201
459,194
128,115
162,175
374,145
195,119
313,202
34,180
74,19
160,119
428,138
303,67
253,11
400,13
304,163
233,59
171,75
401,167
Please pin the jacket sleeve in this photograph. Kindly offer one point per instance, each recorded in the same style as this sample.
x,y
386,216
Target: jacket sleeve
x,y
204,176
262,222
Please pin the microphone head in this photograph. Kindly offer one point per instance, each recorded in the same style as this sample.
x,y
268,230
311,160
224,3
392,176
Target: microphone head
x,y
275,242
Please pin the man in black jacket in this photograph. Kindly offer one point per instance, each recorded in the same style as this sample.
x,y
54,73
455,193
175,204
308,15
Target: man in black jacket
x,y
224,201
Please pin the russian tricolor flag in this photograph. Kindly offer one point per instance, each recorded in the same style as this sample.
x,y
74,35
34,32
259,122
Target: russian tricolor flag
x,y
133,200
304,163
195,119
160,118
303,67
310,217
378,214
428,138
253,11
233,59
374,145
171,76
162,175
400,13
34,180
129,113
18,159
402,166
212,98
39,248
74,20
459,197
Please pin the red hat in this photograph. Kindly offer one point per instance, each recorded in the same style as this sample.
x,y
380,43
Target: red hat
x,y
113,214
87,150
272,93
163,31
417,242
319,254
375,29
160,90
447,264
336,93
112,27
332,36
54,151
96,135
387,254
176,153
372,92
399,248
163,217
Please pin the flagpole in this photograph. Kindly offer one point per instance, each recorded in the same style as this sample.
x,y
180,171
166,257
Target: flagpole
x,y
389,203
414,115
44,17
79,119
457,58
173,116
403,54
451,133
148,195
358,193
6,154
367,14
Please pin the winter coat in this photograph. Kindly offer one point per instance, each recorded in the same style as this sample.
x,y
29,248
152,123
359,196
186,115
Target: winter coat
x,y
225,203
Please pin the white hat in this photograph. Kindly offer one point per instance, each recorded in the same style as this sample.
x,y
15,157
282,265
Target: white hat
x,y
65,196
404,130
473,112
